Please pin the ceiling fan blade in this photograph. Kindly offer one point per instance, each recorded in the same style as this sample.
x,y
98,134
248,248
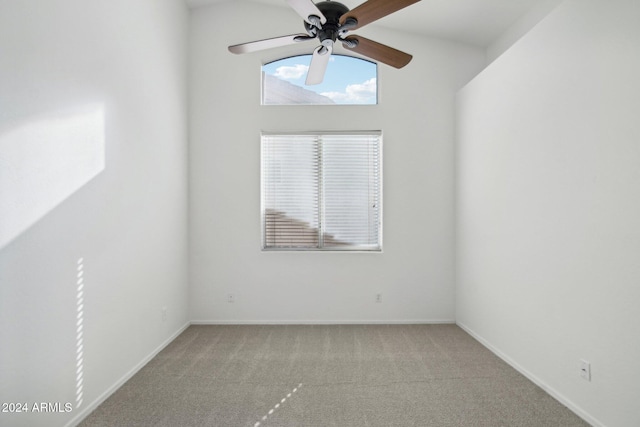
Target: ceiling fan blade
x,y
378,51
307,8
372,10
318,66
269,43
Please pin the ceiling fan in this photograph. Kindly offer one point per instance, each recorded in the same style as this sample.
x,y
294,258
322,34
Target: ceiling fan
x,y
329,21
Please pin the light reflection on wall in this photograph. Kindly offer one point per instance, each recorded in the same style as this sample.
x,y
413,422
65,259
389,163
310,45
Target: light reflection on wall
x,y
45,160
80,333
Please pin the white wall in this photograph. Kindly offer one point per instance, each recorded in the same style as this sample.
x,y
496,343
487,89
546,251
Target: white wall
x,y
93,127
522,26
415,272
548,243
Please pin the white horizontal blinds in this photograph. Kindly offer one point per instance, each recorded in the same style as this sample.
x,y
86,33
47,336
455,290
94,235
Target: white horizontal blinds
x,y
351,191
290,193
321,191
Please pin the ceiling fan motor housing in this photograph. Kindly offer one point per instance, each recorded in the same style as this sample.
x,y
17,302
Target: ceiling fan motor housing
x,y
330,31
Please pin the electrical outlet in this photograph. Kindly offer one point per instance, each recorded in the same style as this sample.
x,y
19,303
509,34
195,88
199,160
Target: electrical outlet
x,y
164,314
378,298
231,298
585,370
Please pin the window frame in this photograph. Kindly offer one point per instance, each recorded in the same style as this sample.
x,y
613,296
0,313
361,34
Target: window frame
x,y
321,231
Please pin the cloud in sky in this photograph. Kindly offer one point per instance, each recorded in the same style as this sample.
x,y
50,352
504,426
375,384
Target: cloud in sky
x,y
291,72
355,93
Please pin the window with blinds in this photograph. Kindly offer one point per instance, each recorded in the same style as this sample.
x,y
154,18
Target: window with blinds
x,y
322,191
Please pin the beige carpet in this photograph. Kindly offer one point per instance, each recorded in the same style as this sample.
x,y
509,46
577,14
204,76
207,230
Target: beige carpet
x,y
317,376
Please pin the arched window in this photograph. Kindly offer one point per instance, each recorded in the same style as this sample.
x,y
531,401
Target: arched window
x,y
347,80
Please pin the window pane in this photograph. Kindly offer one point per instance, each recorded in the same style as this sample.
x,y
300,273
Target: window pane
x,y
351,178
290,191
347,80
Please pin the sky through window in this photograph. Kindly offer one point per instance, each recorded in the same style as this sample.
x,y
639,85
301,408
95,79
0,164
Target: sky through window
x,y
347,80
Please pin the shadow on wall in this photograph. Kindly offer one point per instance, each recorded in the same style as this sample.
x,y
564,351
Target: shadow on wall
x,y
43,161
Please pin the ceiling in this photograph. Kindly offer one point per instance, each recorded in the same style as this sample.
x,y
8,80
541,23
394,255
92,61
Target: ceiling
x,y
476,22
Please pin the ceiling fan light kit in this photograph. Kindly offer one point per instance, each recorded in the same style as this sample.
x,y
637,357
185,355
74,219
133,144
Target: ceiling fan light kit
x,y
329,21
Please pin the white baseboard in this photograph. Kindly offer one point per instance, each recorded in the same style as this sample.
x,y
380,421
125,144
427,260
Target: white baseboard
x,y
104,396
537,381
325,322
